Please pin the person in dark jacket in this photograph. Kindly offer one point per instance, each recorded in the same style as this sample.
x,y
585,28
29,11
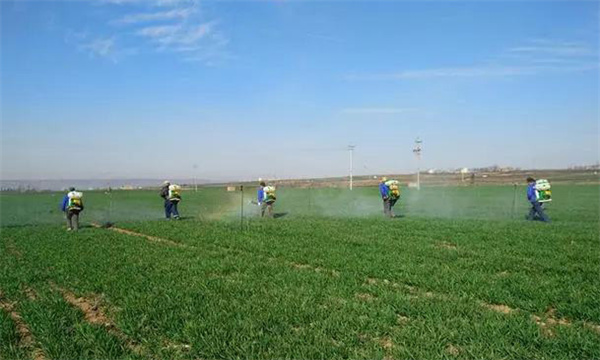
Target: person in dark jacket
x,y
537,211
72,205
164,193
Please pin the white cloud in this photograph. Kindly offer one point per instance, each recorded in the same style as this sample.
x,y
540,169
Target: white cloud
x,y
160,3
156,16
380,111
158,32
105,47
536,57
559,48
475,72
181,34
100,47
199,42
175,27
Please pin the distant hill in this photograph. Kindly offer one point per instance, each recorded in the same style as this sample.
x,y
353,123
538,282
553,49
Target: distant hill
x,y
90,184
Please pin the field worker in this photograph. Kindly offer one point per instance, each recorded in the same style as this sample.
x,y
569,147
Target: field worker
x,y
164,193
266,198
171,196
537,211
72,205
174,197
390,193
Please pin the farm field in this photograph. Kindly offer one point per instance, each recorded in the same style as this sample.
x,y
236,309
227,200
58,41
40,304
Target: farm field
x,y
460,274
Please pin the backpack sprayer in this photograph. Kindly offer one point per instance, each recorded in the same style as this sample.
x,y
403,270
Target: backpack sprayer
x,y
542,191
394,187
75,202
174,193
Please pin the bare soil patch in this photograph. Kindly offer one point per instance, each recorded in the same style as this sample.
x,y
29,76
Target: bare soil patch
x,y
176,346
446,245
386,343
11,248
401,319
452,350
504,309
31,294
318,269
593,327
90,308
365,297
94,313
147,237
548,322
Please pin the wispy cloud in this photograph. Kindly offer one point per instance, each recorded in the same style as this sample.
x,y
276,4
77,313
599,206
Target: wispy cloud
x,y
163,3
197,42
475,72
380,111
165,26
173,14
537,47
100,47
177,35
105,48
535,57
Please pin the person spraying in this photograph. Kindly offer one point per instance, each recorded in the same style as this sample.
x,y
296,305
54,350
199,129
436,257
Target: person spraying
x,y
266,198
72,205
390,193
171,193
538,193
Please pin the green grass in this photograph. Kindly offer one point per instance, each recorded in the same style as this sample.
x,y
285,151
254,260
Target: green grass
x,y
330,279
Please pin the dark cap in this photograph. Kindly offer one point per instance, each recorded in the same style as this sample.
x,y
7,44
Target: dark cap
x,y
530,179
71,189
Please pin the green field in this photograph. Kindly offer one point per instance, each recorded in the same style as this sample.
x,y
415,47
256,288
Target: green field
x,y
460,274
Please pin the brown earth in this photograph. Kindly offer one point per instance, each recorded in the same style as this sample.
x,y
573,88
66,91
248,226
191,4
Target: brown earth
x,y
452,350
148,237
94,313
504,309
25,336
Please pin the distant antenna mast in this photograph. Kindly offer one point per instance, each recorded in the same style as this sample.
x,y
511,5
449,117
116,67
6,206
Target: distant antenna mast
x,y
351,149
417,152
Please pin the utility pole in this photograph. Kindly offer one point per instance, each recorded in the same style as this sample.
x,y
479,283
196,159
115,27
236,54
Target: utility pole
x,y
195,177
417,152
351,149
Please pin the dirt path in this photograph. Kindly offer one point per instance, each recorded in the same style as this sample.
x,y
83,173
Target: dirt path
x,y
94,313
26,339
147,237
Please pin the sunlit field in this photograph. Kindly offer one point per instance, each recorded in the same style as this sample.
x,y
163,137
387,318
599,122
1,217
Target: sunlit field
x,y
458,273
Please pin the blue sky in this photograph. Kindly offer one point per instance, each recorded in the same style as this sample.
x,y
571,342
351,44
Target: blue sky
x,y
247,89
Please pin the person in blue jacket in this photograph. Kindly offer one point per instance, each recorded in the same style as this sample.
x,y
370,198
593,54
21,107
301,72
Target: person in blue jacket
x,y
537,211
265,205
388,202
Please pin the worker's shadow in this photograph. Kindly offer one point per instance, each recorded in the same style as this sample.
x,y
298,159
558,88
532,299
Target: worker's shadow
x,y
279,215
